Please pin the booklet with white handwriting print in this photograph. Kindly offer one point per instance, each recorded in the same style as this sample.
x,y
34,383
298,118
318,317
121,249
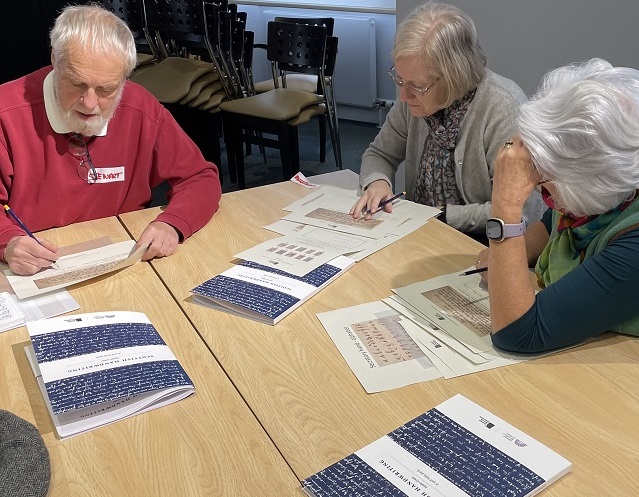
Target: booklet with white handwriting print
x,y
97,368
456,449
265,294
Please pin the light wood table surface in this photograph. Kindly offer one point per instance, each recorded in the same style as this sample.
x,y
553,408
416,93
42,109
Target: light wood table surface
x,y
583,403
208,444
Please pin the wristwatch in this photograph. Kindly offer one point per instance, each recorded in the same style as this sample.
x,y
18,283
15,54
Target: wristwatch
x,y
497,230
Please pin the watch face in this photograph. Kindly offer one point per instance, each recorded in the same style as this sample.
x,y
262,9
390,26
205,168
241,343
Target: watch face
x,y
494,230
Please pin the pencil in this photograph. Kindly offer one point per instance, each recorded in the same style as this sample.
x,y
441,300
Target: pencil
x,y
23,226
384,202
475,271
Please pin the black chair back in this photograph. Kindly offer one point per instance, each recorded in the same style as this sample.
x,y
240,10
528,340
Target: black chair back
x,y
132,13
179,24
327,22
299,48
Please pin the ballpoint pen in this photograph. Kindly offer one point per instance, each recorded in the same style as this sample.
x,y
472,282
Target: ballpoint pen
x,y
384,202
26,230
475,271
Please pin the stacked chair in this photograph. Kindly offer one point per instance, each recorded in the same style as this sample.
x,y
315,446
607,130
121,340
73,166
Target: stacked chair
x,y
310,82
291,48
195,56
186,73
132,13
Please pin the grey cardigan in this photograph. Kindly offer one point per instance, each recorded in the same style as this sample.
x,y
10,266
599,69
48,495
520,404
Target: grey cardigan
x,y
488,123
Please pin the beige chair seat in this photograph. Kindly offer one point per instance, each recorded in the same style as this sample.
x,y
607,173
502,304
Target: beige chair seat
x,y
214,102
303,82
143,59
280,104
171,79
199,85
206,94
306,114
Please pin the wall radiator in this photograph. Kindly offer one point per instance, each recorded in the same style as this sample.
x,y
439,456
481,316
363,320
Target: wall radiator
x,y
356,67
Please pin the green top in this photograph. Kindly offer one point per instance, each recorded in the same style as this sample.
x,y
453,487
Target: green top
x,y
582,298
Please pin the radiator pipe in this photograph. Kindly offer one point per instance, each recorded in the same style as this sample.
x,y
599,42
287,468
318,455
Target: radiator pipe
x,y
382,104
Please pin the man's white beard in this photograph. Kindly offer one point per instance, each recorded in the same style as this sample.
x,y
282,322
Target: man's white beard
x,y
86,128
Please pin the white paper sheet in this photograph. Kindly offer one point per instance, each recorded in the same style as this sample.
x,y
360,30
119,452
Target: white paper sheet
x,y
304,250
381,354
75,268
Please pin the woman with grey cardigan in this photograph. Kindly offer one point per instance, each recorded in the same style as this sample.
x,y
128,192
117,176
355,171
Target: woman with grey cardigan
x,y
452,118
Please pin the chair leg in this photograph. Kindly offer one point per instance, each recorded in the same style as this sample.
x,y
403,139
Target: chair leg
x,y
337,150
239,161
322,137
230,148
214,127
289,150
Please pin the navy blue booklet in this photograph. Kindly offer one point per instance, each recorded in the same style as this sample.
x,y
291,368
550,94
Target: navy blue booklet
x,y
96,368
457,449
263,293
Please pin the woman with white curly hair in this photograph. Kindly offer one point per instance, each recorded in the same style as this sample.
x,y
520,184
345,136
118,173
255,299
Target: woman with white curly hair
x,y
578,141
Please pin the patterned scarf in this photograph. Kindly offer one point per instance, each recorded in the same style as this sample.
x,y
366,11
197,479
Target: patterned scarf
x,y
436,183
569,240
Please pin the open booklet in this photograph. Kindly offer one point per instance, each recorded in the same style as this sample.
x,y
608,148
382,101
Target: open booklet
x,y
97,368
456,449
76,267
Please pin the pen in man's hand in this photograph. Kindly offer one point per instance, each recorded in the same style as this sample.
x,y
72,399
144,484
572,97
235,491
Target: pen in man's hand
x,y
26,230
475,271
384,202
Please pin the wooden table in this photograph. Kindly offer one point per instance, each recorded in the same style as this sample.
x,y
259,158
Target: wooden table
x,y
583,403
207,444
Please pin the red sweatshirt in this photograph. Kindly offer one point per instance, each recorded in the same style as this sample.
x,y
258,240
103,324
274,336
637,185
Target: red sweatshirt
x,y
144,146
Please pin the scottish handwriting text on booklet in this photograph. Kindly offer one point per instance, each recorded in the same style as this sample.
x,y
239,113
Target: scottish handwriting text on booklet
x,y
456,449
97,368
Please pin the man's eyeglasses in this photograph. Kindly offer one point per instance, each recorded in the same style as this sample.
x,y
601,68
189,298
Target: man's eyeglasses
x,y
79,149
418,92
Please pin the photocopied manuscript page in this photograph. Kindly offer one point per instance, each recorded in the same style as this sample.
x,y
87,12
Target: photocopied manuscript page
x,y
76,267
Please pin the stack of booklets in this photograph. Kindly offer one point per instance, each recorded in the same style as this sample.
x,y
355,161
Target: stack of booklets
x,y
263,293
457,449
95,369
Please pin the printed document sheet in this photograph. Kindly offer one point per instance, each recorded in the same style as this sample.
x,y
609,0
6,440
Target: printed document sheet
x,y
75,268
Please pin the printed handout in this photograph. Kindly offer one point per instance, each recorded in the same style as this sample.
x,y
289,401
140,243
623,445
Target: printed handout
x,y
377,348
458,304
75,268
441,325
329,207
303,250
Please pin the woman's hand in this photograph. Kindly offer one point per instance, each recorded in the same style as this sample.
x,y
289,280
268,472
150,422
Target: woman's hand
x,y
375,193
482,261
514,178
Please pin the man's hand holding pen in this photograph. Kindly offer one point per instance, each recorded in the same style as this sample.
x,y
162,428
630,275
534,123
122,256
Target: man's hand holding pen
x,y
26,255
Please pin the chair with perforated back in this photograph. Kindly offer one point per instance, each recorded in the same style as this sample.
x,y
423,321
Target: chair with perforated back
x,y
188,79
310,82
296,48
132,13
306,82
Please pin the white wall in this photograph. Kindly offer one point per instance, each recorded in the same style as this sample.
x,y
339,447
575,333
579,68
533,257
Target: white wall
x,y
386,6
523,40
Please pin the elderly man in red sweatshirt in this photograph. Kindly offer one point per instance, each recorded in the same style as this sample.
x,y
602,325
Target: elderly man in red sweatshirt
x,y
78,142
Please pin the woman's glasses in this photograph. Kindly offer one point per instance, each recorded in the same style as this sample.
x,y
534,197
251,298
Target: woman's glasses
x,y
418,92
78,148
